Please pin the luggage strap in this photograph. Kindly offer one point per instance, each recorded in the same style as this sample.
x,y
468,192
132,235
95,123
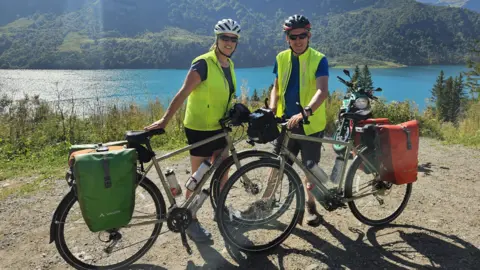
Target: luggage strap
x,y
107,180
409,141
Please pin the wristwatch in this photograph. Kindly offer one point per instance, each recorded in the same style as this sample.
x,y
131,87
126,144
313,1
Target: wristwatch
x,y
309,110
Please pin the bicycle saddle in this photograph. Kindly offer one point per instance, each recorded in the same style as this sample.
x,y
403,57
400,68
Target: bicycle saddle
x,y
142,136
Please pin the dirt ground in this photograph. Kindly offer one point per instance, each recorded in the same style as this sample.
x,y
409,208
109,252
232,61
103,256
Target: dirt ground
x,y
439,229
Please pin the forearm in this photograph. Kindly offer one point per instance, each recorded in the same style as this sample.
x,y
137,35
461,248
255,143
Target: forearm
x,y
274,97
318,99
321,95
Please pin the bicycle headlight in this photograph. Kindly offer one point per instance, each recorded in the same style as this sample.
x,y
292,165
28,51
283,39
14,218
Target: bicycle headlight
x,y
361,103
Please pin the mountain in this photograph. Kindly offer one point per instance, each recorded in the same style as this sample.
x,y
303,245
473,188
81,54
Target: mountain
x,y
170,33
469,4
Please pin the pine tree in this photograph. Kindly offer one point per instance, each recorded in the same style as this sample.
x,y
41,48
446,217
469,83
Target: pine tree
x,y
445,101
439,85
356,75
367,82
457,98
255,96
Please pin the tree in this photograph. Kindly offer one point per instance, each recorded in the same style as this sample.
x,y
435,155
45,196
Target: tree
x,y
438,87
447,98
356,74
448,95
457,97
255,96
366,80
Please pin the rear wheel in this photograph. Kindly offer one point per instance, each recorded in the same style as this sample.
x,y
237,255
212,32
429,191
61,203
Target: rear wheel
x,y
383,201
111,249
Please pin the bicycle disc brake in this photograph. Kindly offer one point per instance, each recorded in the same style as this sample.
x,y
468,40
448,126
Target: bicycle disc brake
x,y
114,237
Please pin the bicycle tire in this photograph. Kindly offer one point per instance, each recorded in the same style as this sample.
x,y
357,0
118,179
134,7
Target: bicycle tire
x,y
70,199
293,178
353,207
227,164
214,184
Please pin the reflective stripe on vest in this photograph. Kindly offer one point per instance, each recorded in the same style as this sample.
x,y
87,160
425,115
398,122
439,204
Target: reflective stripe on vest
x,y
308,63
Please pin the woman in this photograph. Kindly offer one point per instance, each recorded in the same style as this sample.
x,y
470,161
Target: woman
x,y
209,86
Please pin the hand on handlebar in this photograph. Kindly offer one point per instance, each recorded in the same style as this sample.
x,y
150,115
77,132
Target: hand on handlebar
x,y
160,124
294,120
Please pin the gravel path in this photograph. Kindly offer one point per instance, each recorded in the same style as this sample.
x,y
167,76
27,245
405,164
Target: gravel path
x,y
438,229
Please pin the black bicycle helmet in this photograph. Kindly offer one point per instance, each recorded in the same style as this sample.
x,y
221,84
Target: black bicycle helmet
x,y
296,21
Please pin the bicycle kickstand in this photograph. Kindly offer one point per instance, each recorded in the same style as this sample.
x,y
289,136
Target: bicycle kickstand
x,y
184,241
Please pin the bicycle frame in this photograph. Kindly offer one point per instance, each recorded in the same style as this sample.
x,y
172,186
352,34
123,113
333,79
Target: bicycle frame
x,y
156,163
285,153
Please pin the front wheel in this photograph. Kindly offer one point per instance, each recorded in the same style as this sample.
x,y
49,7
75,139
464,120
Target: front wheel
x,y
226,168
375,202
113,249
255,223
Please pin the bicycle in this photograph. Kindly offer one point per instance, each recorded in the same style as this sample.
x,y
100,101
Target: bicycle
x,y
346,189
178,217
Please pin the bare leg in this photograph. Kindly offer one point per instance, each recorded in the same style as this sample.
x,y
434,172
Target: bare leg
x,y
216,154
195,231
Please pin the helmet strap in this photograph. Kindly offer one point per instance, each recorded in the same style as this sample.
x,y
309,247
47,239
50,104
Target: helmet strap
x,y
228,56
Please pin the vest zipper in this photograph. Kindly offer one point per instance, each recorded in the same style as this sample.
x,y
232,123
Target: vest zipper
x,y
225,81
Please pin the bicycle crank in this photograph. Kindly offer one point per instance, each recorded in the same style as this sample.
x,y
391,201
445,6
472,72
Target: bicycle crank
x,y
178,221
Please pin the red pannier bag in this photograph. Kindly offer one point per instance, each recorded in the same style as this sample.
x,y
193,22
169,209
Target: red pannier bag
x,y
360,124
366,137
397,152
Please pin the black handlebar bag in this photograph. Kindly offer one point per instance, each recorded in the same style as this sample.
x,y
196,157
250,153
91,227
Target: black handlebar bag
x,y
262,126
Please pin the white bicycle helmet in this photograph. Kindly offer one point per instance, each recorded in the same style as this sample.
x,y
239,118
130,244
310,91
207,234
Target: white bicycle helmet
x,y
227,26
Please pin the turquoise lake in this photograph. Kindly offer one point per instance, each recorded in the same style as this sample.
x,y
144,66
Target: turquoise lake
x,y
398,84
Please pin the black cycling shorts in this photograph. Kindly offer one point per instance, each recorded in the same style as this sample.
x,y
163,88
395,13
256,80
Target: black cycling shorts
x,y
309,150
205,150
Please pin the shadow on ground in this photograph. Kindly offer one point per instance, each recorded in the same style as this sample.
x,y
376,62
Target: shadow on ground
x,y
388,247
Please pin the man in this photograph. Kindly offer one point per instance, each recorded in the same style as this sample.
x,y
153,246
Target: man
x,y
301,76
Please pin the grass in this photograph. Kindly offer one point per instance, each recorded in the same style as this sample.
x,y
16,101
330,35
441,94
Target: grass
x,y
73,41
35,135
20,23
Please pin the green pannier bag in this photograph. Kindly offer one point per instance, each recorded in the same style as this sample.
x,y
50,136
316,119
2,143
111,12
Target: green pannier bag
x,y
105,184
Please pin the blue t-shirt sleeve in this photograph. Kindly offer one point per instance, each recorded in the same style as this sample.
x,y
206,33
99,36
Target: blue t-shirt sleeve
x,y
275,69
200,66
322,69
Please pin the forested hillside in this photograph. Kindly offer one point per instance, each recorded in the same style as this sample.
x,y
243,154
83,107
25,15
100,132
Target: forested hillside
x,y
168,34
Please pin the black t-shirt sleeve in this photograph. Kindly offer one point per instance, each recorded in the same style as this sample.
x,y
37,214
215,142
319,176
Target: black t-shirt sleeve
x,y
200,66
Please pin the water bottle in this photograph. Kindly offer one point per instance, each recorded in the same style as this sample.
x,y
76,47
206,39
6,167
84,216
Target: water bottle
x,y
313,182
336,170
197,176
198,201
175,188
318,172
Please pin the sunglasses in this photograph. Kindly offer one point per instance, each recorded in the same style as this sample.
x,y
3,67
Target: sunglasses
x,y
227,38
301,36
